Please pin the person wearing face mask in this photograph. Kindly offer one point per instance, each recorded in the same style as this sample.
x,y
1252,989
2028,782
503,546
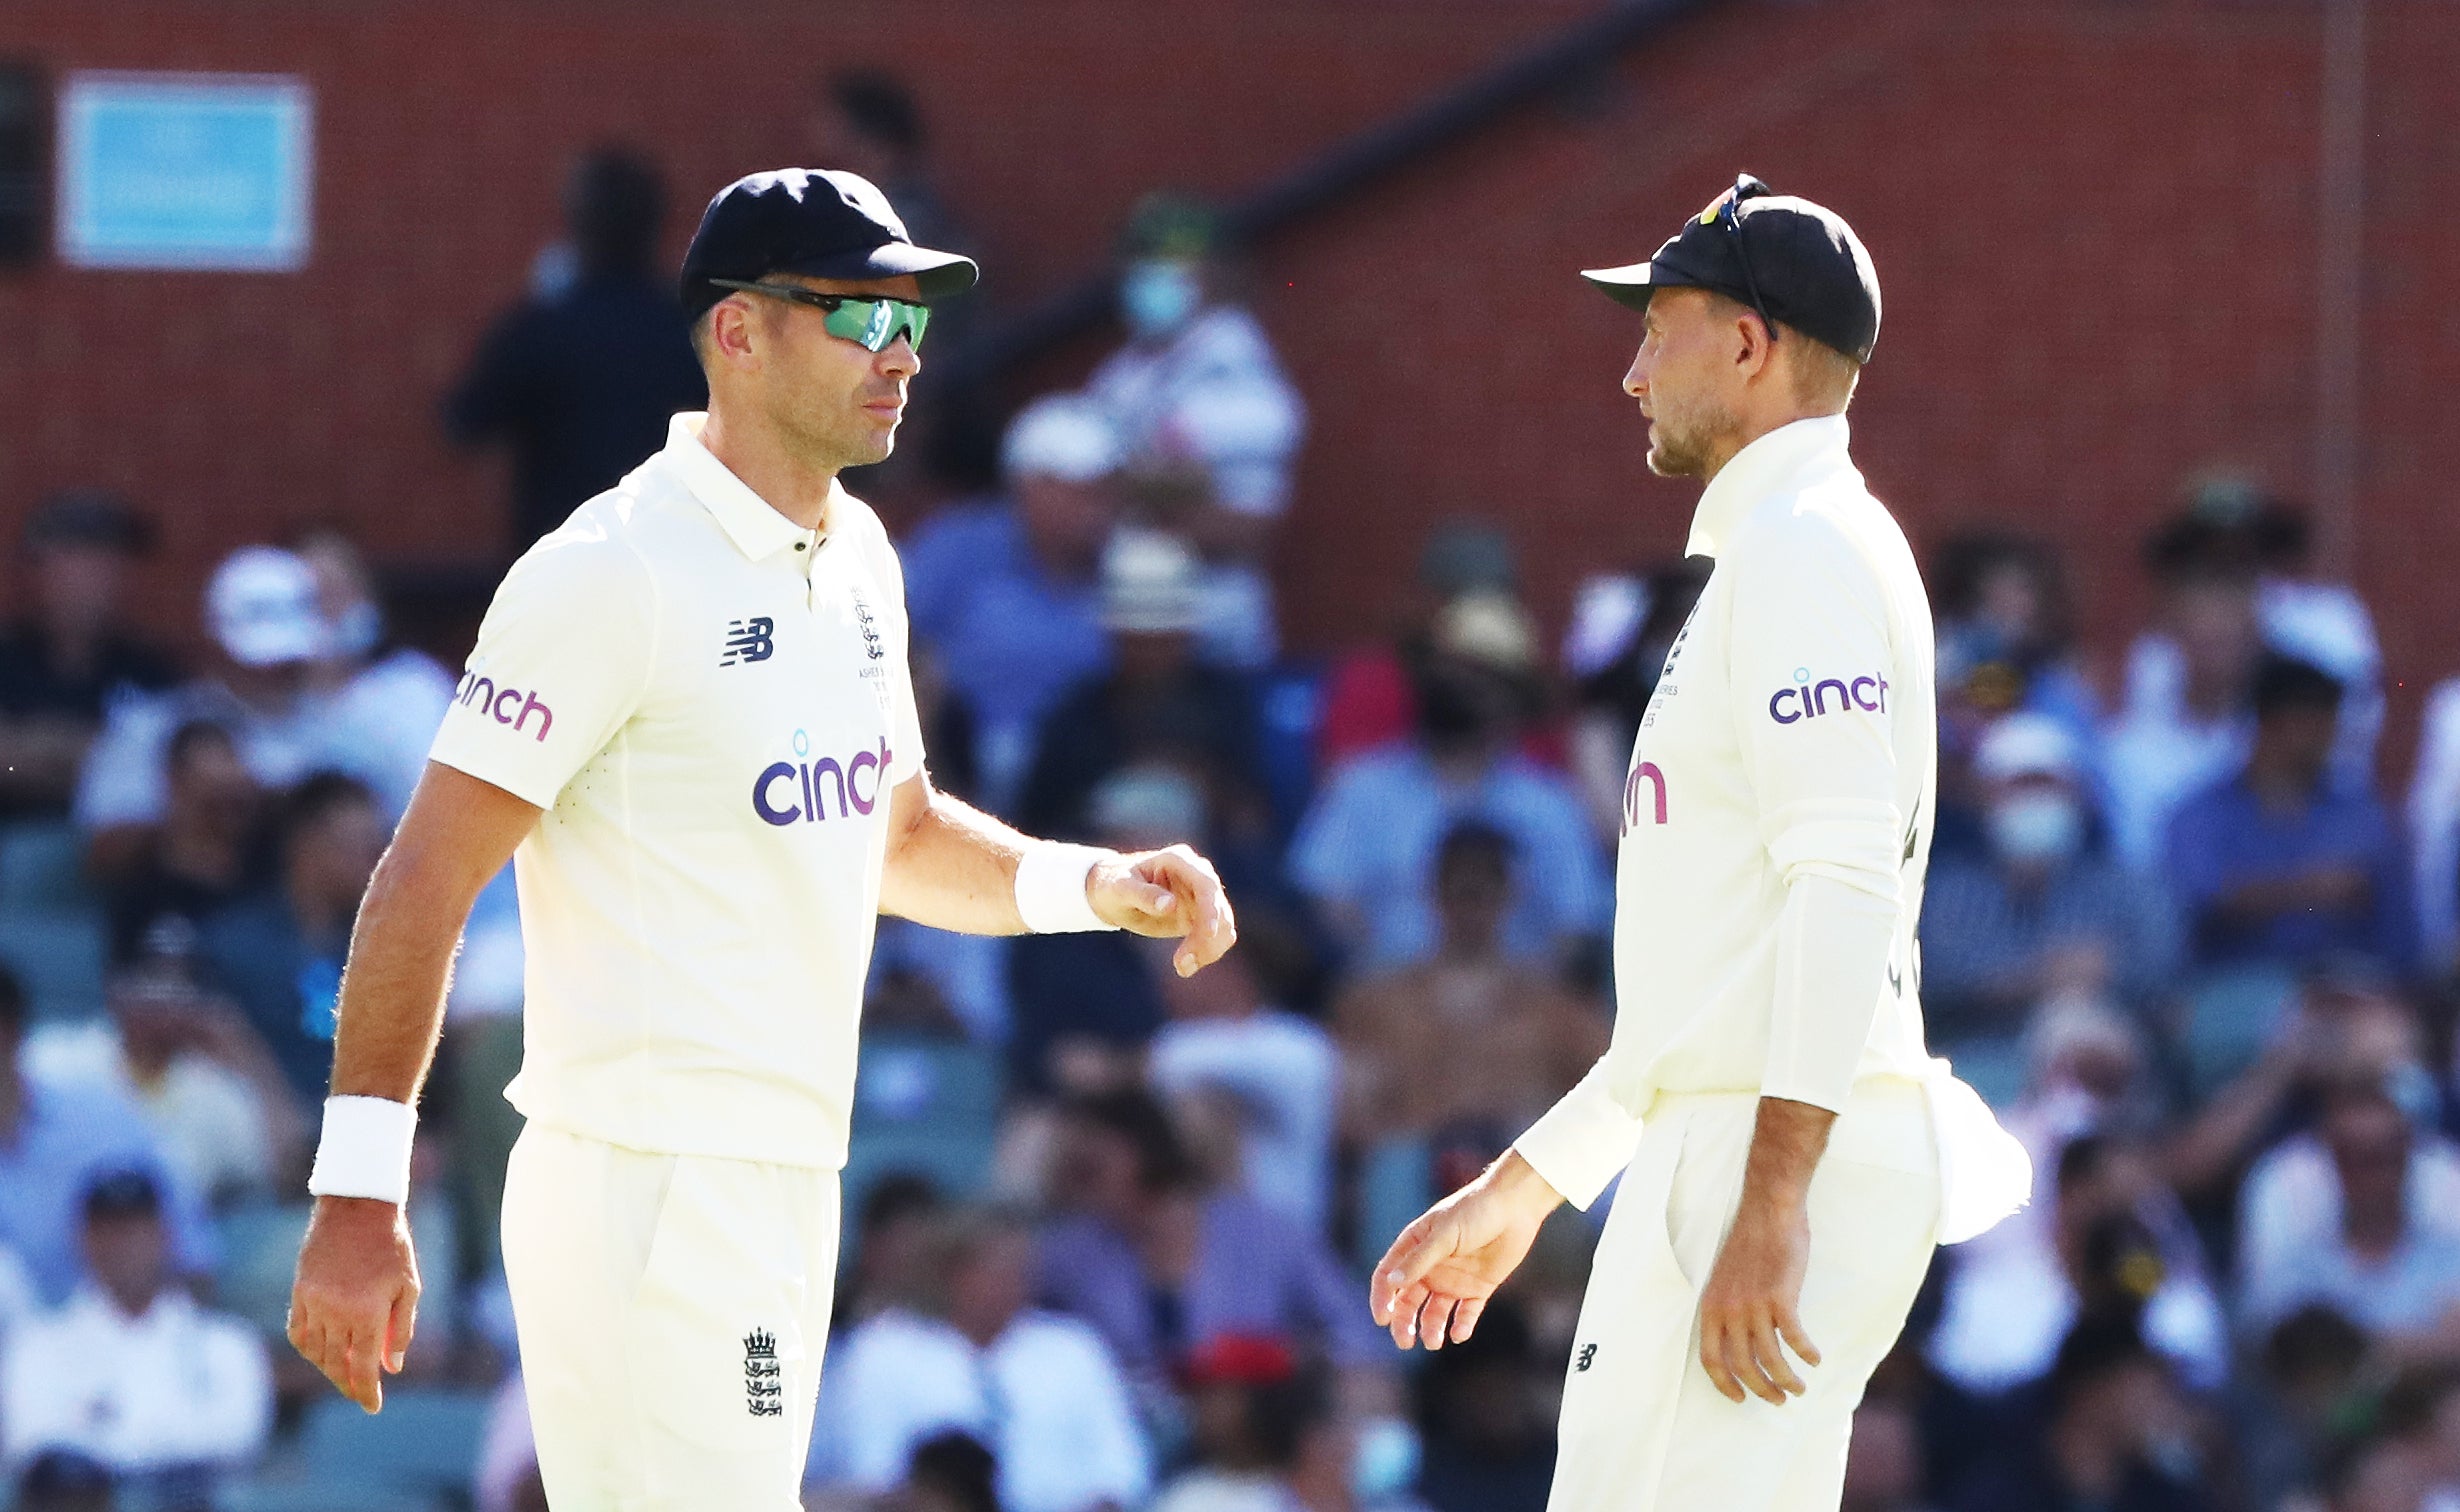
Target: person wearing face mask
x,y
1207,414
395,694
2047,911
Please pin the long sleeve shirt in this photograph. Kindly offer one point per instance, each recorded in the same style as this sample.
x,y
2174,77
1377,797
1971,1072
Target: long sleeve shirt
x,y
1776,820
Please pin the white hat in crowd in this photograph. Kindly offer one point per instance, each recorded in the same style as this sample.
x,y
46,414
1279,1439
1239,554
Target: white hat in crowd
x,y
1150,584
1063,436
2028,745
262,607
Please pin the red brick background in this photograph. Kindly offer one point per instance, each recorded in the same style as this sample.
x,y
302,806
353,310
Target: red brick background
x,y
2096,222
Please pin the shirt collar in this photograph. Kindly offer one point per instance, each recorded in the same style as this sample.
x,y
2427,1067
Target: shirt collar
x,y
1761,468
749,520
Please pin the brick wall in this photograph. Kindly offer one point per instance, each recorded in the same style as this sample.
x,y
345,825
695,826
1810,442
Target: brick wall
x,y
2096,222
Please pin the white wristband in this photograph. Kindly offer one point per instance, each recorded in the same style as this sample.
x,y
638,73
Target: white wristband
x,y
1051,887
365,1151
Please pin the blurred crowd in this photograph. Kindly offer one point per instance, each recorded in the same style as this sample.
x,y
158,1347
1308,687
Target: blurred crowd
x,y
1106,1228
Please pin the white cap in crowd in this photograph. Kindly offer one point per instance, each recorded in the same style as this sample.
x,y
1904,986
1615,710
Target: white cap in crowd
x,y
2028,745
1150,584
263,609
1063,436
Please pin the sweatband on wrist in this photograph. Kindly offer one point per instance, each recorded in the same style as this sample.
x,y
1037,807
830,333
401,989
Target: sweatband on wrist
x,y
1051,887
365,1151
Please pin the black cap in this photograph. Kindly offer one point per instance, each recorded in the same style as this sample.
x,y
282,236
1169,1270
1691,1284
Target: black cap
x,y
819,221
126,1192
1808,267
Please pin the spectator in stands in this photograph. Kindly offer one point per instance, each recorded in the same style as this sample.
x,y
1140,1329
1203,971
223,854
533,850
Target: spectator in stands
x,y
396,694
2275,865
2165,746
1369,699
950,1472
2311,1377
2004,631
1472,1036
1883,1461
2373,1472
1252,1406
902,1218
271,632
131,1370
63,664
1157,1264
199,857
62,1480
1484,1418
1008,595
1277,1075
2114,1432
2362,1215
580,382
2434,830
279,953
2047,911
1366,849
1158,702
1622,631
57,1135
1039,1390
1209,419
867,121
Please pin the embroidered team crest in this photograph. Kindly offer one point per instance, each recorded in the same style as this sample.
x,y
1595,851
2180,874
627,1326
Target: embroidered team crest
x,y
764,1387
872,646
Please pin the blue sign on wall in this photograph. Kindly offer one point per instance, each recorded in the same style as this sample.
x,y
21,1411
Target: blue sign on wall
x,y
176,170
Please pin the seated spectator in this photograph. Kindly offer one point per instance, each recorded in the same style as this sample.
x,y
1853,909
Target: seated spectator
x,y
1280,1075
394,694
1623,629
1008,594
57,1135
2374,1472
2005,633
2312,1375
1252,1407
2275,865
1369,698
1484,1419
1157,1264
217,1104
2362,1215
2163,748
1470,1037
903,1217
1158,703
1366,849
131,1370
270,634
62,1480
197,859
2112,1430
63,665
2047,911
581,380
279,954
1039,1390
2434,830
1198,397
950,1472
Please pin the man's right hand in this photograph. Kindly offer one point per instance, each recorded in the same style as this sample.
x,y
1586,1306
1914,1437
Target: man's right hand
x,y
356,1297
1435,1280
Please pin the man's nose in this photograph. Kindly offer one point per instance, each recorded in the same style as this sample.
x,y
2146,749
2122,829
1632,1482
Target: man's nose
x,y
898,359
1636,380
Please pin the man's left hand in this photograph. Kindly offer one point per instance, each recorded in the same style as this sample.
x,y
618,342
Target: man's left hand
x,y
1752,1303
1171,894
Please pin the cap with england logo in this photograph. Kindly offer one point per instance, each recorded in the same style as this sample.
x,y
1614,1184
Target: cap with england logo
x,y
822,222
1797,262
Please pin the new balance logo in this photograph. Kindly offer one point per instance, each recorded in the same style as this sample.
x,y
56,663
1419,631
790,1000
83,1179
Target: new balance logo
x,y
1587,1358
749,640
764,1386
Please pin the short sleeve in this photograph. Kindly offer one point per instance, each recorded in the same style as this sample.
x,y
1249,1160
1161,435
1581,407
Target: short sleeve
x,y
562,660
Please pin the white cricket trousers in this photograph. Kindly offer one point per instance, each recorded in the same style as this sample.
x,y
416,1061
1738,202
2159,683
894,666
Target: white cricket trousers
x,y
1643,1429
672,1311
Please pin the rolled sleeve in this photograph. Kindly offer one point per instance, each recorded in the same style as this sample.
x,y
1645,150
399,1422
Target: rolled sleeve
x,y
1811,626
562,660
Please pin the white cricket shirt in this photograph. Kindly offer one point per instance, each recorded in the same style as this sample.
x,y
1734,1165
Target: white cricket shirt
x,y
1776,820
711,704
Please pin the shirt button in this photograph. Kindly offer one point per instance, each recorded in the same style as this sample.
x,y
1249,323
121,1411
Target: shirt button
x,y
799,545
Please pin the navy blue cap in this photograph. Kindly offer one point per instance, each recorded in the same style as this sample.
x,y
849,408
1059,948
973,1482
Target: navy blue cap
x,y
1810,269
823,222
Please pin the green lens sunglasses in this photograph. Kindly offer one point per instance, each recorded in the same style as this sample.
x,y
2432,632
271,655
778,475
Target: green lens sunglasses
x,y
871,323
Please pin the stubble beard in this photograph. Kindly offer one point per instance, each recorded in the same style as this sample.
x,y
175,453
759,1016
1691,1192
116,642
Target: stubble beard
x,y
1686,438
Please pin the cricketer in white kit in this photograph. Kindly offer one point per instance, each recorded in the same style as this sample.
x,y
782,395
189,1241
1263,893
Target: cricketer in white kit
x,y
1789,1153
689,722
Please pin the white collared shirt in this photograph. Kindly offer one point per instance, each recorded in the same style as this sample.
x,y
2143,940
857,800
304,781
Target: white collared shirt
x,y
712,705
177,1386
1776,819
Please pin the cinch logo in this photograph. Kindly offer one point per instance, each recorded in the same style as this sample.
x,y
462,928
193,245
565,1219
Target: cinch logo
x,y
496,703
1808,699
789,792
1648,772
